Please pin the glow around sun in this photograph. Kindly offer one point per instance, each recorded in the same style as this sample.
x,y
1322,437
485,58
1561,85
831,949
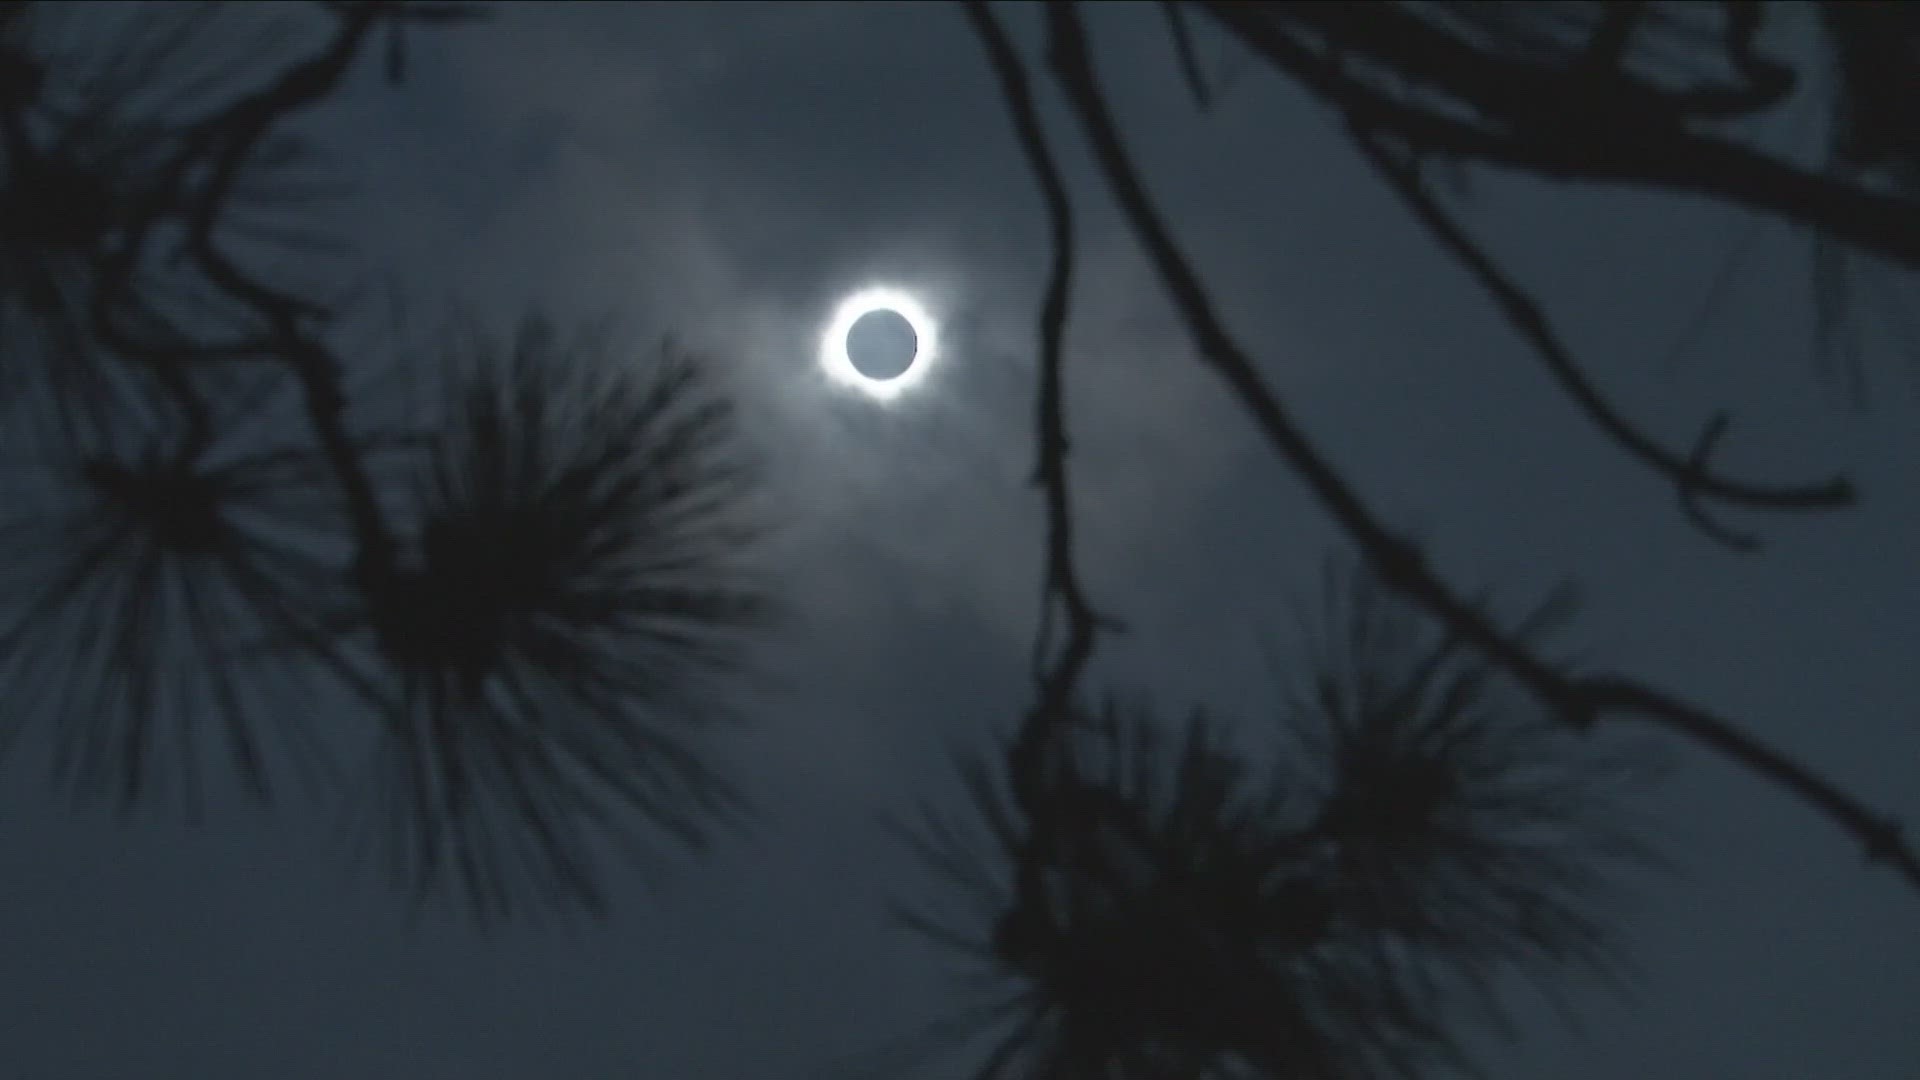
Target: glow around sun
x,y
839,366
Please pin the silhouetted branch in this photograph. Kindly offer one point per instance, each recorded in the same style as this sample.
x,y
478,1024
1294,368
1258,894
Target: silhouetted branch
x,y
1880,835
1548,122
1329,908
236,134
545,624
135,562
1062,591
569,603
1581,701
217,151
1184,50
1397,561
1691,476
427,12
1466,818
95,121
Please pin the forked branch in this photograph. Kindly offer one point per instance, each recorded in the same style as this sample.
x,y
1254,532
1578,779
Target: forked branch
x,y
1057,670
1580,700
1539,120
233,136
1693,477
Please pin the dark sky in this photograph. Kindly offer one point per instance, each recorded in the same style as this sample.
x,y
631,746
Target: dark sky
x,y
725,174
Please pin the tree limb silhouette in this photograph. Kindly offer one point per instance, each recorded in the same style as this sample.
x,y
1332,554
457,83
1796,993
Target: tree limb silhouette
x,y
1057,675
542,610
1692,477
1329,907
1551,123
235,135
1581,701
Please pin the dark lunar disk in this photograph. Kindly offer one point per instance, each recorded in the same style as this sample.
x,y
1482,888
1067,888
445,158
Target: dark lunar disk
x,y
882,345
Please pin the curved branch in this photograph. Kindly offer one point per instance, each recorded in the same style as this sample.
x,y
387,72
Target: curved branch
x,y
1691,476
228,139
1690,495
1398,562
236,133
1881,836
1557,130
1061,589
1580,702
1185,52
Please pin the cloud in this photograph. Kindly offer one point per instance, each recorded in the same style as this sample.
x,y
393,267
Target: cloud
x,y
648,170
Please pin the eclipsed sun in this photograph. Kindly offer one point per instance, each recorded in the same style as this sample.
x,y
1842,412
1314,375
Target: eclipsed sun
x,y
880,342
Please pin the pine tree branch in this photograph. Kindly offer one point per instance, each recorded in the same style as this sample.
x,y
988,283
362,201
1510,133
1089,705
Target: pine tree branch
x,y
1692,477
1062,591
1554,124
234,135
1581,701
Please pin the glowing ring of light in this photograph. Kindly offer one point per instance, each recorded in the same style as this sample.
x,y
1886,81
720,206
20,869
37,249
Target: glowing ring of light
x,y
833,346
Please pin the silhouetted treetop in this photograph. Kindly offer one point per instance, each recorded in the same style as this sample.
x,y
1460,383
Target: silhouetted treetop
x,y
1415,836
569,610
534,599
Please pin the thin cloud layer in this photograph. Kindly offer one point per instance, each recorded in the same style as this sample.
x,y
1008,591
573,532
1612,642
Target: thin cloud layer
x,y
723,174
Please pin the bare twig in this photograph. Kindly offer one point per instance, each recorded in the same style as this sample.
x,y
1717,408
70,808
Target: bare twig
x,y
1581,701
1062,590
1692,476
1542,123
1189,58
1398,561
237,132
229,139
1879,834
